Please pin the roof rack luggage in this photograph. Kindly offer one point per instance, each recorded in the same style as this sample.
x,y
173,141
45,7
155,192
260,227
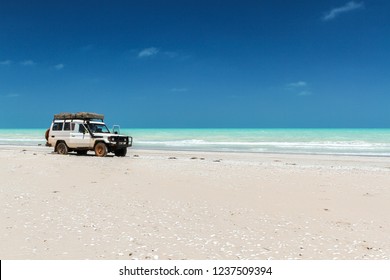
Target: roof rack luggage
x,y
79,115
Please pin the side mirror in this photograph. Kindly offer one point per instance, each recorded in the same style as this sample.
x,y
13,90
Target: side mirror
x,y
116,129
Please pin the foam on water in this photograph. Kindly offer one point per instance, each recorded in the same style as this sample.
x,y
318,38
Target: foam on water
x,y
374,142
307,141
22,137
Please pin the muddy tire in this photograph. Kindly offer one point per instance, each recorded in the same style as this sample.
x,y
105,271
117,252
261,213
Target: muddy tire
x,y
121,152
62,149
101,149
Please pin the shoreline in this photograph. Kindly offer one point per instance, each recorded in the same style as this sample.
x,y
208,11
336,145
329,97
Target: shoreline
x,y
39,146
189,151
193,205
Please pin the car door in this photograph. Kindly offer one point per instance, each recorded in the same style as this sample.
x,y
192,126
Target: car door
x,y
80,137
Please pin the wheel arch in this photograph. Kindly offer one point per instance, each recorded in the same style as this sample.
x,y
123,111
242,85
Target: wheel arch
x,y
56,144
99,141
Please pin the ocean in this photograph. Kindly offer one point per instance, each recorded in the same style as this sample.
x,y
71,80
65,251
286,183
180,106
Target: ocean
x,y
367,142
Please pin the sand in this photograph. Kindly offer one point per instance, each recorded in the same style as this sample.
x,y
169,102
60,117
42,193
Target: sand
x,y
192,205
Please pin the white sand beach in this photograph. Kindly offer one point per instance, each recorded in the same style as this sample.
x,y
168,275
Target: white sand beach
x,y
192,205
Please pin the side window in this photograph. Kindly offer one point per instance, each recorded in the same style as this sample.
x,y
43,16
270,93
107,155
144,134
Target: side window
x,y
67,126
57,126
81,128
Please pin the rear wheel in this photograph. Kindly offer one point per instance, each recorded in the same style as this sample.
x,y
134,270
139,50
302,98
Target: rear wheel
x,y
121,152
101,149
62,149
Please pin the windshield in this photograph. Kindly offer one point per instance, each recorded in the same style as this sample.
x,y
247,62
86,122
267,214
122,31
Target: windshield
x,y
98,128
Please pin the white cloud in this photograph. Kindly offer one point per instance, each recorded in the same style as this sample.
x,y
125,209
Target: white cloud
x,y
59,66
297,84
5,62
179,89
170,54
348,7
27,63
148,52
304,93
300,88
10,95
87,48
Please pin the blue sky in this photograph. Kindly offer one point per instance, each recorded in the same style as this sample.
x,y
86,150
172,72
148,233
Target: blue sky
x,y
197,63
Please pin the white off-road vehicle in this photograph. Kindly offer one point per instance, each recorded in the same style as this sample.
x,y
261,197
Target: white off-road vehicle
x,y
83,132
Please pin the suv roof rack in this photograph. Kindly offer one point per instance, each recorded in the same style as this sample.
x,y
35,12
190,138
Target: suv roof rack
x,y
79,115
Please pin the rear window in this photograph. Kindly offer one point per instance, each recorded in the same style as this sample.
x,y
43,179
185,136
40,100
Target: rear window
x,y
57,126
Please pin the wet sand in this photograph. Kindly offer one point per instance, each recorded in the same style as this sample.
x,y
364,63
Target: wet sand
x,y
192,205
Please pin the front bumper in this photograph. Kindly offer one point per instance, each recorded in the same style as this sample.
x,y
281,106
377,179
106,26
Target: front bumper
x,y
117,142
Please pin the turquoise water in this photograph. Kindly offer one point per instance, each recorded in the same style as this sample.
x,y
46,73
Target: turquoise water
x,y
375,142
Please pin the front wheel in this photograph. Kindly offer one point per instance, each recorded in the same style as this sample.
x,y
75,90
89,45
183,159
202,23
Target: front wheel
x,y
121,152
101,149
62,149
